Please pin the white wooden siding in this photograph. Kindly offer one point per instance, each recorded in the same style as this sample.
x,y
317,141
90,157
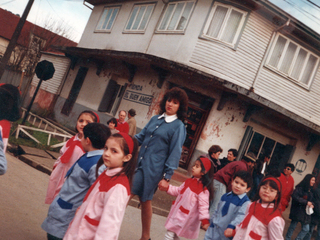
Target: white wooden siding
x,y
291,96
241,64
61,65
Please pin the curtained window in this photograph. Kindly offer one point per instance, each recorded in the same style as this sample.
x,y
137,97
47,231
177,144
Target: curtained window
x,y
176,16
107,19
292,60
139,18
224,24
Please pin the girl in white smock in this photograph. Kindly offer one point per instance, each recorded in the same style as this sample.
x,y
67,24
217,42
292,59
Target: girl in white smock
x,y
263,219
101,213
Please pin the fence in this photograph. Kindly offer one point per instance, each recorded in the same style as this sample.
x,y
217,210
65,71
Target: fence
x,y
43,126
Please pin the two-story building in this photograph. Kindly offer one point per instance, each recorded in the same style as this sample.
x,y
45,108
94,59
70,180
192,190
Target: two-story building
x,y
251,72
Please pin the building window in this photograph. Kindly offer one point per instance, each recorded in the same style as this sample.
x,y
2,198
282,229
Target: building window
x,y
293,61
262,146
107,19
224,24
112,97
176,17
139,18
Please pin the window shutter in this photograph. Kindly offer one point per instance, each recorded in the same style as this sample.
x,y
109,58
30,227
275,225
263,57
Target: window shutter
x,y
74,92
109,96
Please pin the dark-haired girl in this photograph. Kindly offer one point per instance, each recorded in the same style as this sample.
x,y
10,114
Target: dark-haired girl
x,y
112,124
301,198
263,218
192,202
101,213
161,143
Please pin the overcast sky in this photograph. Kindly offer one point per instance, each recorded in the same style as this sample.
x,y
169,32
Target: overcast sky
x,y
74,15
71,13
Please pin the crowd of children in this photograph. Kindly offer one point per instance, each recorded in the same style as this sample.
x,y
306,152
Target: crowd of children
x,y
90,187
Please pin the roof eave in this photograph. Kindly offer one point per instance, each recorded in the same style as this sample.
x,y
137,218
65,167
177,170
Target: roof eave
x,y
132,57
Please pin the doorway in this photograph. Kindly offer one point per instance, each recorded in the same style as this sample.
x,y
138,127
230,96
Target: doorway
x,y
198,110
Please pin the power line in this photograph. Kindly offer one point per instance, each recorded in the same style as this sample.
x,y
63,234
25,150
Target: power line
x,y
7,2
313,4
302,11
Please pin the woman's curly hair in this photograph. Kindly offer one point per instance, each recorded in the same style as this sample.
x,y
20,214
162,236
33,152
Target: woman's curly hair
x,y
181,96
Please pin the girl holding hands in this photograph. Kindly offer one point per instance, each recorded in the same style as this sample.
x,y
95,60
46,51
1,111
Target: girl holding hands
x,y
191,206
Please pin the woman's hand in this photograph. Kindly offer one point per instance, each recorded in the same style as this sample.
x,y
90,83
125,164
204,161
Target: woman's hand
x,y
205,226
163,185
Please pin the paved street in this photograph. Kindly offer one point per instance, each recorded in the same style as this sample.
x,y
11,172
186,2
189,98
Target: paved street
x,y
22,201
22,211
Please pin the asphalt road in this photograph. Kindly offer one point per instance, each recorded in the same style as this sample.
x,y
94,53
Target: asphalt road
x,y
22,208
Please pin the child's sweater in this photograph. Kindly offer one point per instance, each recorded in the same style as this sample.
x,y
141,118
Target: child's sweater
x,y
101,213
229,213
261,223
78,181
190,207
70,153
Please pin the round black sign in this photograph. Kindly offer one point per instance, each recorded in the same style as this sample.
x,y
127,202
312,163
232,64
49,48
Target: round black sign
x,y
45,70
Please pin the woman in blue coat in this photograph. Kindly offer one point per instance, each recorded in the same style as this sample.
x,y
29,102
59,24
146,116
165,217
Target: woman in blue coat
x,y
161,143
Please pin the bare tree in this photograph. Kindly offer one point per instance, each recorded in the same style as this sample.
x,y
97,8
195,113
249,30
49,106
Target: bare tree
x,y
59,27
35,39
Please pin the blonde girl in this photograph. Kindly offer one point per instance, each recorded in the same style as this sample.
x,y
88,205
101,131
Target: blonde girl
x,y
263,217
101,213
70,153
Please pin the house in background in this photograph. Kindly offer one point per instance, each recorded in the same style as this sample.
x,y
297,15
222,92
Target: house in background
x,y
251,72
33,43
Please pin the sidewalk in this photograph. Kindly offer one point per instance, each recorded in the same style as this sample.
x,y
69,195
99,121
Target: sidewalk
x,y
161,203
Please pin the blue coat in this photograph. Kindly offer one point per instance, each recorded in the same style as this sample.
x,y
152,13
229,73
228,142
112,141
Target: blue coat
x,y
161,144
78,181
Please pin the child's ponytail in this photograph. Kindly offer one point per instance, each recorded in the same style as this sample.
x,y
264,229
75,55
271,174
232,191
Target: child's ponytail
x,y
207,177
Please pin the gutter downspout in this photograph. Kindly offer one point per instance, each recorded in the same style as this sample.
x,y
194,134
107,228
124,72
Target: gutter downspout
x,y
84,3
267,53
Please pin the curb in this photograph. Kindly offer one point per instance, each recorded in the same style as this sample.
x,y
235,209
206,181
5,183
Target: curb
x,y
35,165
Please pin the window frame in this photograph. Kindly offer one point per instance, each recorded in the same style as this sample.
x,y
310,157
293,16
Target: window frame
x,y
125,30
236,39
288,75
175,31
100,19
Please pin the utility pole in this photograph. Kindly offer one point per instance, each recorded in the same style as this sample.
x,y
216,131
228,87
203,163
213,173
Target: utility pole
x,y
14,38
